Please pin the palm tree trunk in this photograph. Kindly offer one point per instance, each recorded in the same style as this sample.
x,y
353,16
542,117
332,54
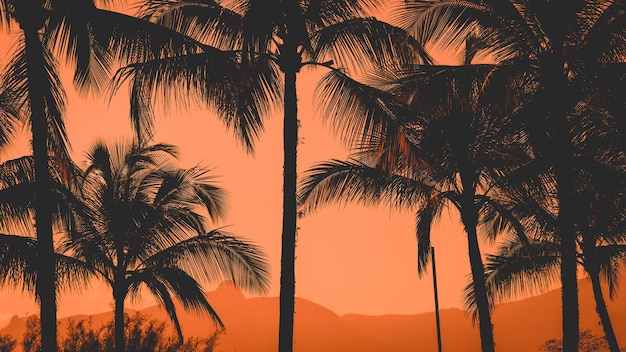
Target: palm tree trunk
x,y
559,95
46,277
480,290
119,295
567,248
469,218
603,312
290,66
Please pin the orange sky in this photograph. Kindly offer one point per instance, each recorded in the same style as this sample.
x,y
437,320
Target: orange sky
x,y
351,259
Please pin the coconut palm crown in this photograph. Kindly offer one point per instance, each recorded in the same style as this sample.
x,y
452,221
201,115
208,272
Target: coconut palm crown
x,y
142,224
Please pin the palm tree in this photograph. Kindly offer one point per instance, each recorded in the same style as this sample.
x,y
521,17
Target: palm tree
x,y
88,39
600,242
425,149
20,264
32,72
142,221
572,48
243,83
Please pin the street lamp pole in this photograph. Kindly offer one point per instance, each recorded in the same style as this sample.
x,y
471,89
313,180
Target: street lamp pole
x,y
432,256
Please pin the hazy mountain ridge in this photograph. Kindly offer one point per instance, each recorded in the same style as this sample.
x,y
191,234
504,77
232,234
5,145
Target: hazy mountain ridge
x,y
252,325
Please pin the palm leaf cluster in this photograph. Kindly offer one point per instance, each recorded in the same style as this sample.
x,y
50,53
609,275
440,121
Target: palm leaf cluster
x,y
138,222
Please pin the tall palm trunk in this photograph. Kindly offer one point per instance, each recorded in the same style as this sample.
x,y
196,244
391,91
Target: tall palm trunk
x,y
119,295
46,277
563,162
480,290
569,280
593,268
603,313
469,217
290,65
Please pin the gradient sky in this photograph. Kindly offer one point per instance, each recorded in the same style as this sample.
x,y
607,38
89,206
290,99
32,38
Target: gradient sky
x,y
350,258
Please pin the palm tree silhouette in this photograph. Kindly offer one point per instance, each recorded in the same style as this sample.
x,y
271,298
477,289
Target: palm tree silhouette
x,y
141,222
600,242
20,262
572,48
32,72
261,39
89,40
31,77
429,143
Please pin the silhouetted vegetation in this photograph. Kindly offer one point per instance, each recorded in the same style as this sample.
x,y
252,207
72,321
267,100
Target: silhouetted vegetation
x,y
142,335
7,343
587,343
265,44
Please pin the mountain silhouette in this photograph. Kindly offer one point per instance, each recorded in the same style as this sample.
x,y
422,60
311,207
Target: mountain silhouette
x,y
251,325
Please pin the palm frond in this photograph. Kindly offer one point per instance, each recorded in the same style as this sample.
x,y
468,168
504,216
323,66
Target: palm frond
x,y
355,109
165,282
191,186
69,33
611,261
328,12
10,115
128,39
207,21
15,80
424,219
17,195
18,262
242,94
353,43
511,272
347,181
215,257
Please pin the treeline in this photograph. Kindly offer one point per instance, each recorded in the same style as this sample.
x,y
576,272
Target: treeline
x,y
142,335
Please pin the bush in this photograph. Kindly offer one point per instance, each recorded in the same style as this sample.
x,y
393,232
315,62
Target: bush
x,y
142,335
7,343
586,343
31,342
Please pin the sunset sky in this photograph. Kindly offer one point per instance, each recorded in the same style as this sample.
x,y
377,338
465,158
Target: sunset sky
x,y
350,258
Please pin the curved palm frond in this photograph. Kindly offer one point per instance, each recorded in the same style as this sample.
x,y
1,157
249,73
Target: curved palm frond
x,y
129,39
69,33
207,21
512,272
9,116
215,257
16,195
19,269
165,282
611,265
18,259
355,109
424,218
352,42
353,180
240,92
15,80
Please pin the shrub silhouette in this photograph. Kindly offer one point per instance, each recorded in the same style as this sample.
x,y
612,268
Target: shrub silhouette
x,y
7,343
586,343
142,335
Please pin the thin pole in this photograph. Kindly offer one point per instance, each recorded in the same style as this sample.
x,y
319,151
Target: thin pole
x,y
432,256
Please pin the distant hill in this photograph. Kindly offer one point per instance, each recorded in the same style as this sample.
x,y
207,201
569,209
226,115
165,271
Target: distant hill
x,y
252,323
